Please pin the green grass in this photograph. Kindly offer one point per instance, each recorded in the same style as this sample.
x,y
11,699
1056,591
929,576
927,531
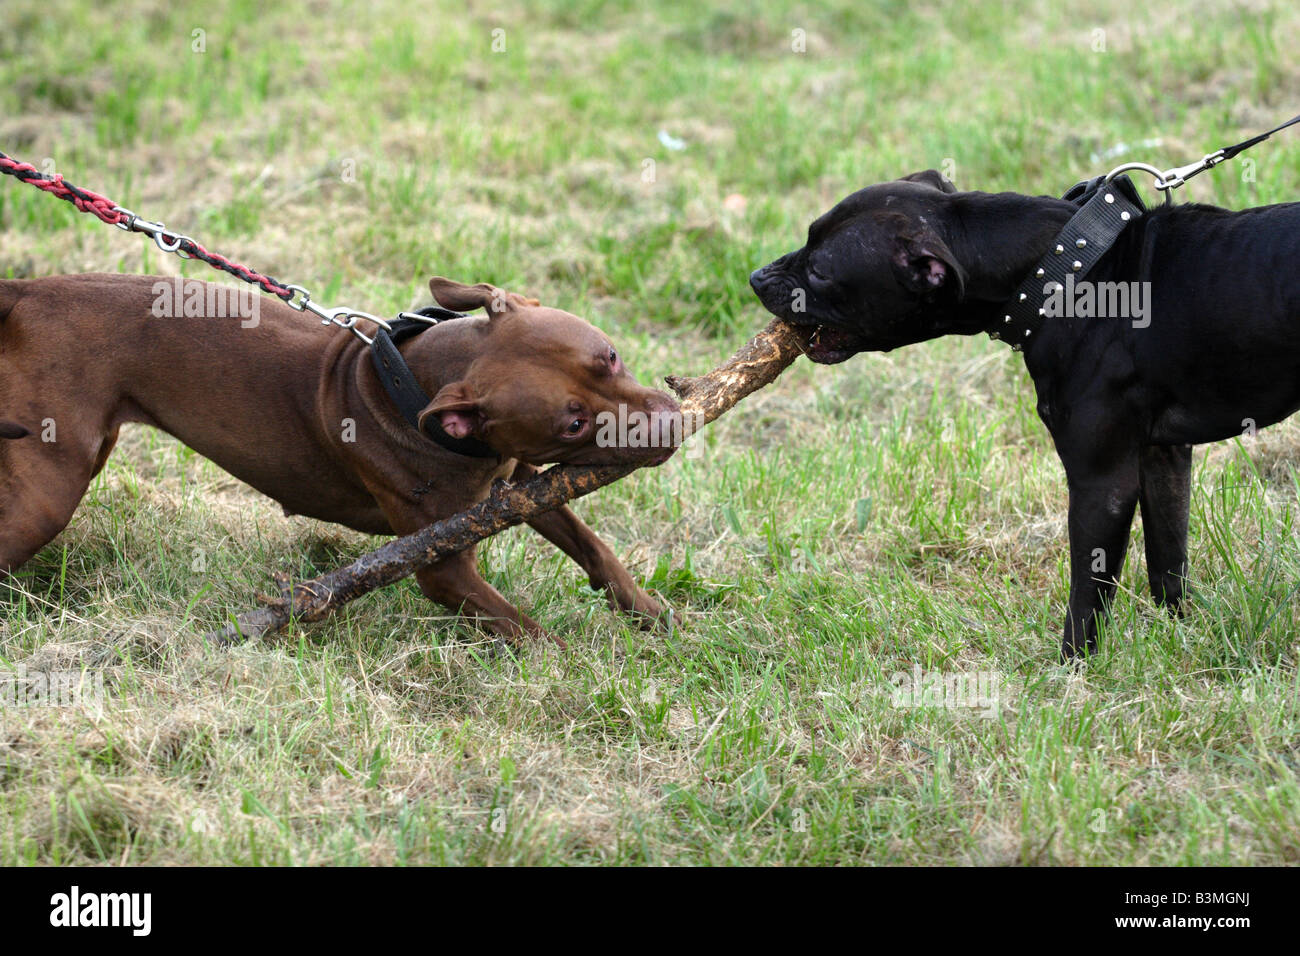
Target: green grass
x,y
839,528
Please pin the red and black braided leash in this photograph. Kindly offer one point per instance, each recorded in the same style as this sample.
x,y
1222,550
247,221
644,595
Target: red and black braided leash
x,y
393,372
113,214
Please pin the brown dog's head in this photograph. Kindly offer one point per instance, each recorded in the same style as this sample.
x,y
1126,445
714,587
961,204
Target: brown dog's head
x,y
545,386
877,271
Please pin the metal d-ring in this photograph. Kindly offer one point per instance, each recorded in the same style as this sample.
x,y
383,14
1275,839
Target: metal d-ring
x,y
417,317
1162,185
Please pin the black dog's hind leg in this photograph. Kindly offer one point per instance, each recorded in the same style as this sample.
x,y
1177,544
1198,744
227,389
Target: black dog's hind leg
x,y
1165,494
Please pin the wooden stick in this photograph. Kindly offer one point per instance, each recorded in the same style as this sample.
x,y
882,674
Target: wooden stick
x,y
703,399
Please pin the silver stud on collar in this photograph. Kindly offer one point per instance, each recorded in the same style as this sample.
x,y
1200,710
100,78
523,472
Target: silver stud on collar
x,y
1026,333
1125,215
1059,249
1081,243
1006,320
1023,297
1076,265
1110,197
1040,273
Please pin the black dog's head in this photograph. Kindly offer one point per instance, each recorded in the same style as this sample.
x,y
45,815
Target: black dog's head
x,y
877,271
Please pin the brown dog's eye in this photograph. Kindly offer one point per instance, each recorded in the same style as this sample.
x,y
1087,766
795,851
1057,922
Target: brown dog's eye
x,y
613,357
576,426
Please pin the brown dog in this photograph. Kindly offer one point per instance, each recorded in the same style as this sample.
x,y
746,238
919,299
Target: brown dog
x,y
296,410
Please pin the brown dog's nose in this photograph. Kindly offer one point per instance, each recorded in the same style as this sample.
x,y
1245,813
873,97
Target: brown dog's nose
x,y
665,420
661,402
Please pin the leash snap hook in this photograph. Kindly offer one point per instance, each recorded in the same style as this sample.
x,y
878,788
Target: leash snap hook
x,y
131,222
1180,174
300,304
346,317
174,245
126,218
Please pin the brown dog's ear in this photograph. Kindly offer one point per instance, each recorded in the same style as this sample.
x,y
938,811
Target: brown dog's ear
x,y
457,409
925,265
931,177
463,298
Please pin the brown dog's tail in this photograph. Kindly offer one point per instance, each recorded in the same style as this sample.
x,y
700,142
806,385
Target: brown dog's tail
x,y
9,296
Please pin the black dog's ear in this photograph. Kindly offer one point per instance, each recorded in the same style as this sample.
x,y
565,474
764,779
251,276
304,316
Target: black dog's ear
x,y
931,177
925,265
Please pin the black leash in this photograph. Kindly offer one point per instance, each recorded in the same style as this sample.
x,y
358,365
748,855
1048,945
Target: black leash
x,y
1173,178
405,391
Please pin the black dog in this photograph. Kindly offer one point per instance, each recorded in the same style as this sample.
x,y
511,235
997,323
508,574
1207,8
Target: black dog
x,y
1210,348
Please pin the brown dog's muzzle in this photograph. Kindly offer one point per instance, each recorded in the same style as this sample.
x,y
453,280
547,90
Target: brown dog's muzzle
x,y
648,431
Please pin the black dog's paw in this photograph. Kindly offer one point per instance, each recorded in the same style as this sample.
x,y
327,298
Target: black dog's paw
x,y
1076,655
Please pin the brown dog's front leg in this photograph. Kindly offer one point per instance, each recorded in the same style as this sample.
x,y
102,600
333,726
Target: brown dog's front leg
x,y
454,582
570,534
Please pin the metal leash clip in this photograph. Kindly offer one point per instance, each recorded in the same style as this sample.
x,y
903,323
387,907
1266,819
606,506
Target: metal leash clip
x,y
156,231
345,317
1173,178
1169,180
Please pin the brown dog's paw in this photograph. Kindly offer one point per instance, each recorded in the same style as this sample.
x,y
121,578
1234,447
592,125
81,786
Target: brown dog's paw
x,y
516,634
538,633
649,613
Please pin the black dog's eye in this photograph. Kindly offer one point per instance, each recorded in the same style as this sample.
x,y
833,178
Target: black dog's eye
x,y
817,274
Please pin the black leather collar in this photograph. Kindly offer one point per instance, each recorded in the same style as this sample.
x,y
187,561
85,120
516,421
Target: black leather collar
x,y
1106,209
406,392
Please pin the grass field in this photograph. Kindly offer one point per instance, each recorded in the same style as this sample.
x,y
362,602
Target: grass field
x,y
848,524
